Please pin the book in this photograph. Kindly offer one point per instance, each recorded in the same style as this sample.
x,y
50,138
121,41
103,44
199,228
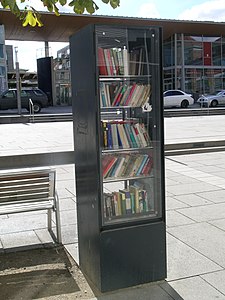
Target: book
x,y
147,167
136,165
117,203
123,136
125,95
107,163
102,96
137,136
113,169
145,133
135,191
129,98
123,202
115,141
101,62
120,95
109,136
130,165
125,62
127,200
108,61
104,134
143,161
131,134
140,135
119,167
120,61
117,93
133,100
124,166
108,204
132,199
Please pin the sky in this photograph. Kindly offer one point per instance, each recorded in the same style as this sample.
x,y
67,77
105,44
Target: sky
x,y
200,10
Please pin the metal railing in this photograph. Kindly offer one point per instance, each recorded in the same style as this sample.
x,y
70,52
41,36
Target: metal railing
x,y
31,110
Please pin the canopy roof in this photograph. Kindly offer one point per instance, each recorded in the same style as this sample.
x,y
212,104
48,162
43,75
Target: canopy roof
x,y
59,29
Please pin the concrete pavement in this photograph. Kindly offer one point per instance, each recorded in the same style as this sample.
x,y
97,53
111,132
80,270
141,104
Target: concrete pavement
x,y
195,205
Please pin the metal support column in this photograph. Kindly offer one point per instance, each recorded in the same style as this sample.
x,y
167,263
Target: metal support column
x,y
18,85
183,63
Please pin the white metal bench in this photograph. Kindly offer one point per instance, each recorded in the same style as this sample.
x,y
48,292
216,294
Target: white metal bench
x,y
31,190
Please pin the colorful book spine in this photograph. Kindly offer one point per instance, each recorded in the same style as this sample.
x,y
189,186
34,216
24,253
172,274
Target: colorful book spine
x,y
101,62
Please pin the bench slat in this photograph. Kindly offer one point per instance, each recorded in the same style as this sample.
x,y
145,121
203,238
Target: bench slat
x,y
23,207
24,182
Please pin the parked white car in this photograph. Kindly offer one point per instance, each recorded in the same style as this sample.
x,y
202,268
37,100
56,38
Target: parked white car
x,y
212,100
177,98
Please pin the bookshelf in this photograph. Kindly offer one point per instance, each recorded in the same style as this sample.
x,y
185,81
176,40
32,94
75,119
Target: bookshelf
x,y
116,76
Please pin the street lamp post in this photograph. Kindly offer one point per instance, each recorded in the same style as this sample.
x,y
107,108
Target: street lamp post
x,y
18,87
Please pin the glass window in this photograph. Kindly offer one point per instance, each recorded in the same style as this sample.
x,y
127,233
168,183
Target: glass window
x,y
216,53
1,51
2,71
9,94
23,93
168,51
193,53
38,92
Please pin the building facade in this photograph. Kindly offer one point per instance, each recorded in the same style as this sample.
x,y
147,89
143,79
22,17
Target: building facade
x,y
3,61
62,76
195,64
193,56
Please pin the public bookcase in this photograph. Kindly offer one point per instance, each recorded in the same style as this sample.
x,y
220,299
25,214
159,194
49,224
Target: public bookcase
x,y
119,161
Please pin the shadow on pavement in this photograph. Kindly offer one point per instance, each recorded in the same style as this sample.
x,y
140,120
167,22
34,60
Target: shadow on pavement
x,y
34,274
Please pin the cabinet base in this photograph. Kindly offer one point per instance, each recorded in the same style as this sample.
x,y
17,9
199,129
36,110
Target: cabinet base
x,y
132,256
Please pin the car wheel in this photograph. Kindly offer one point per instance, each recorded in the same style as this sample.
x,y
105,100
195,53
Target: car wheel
x,y
214,103
37,108
184,104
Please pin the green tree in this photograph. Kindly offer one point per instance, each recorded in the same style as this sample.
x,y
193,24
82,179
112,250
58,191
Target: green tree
x,y
30,16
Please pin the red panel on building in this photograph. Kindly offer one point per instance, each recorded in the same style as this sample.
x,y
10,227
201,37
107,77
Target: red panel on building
x,y
207,48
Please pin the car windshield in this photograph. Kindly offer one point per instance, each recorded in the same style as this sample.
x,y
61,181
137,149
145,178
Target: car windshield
x,y
220,93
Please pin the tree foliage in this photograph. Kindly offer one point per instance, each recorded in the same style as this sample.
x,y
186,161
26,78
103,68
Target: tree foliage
x,y
30,16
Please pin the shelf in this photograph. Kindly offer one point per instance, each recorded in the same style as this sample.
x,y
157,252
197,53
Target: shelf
x,y
105,180
137,150
129,217
123,77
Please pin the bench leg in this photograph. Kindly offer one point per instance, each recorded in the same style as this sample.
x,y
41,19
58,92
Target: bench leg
x,y
58,237
57,218
49,219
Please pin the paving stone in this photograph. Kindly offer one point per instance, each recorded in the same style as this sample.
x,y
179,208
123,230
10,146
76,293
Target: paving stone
x,y
193,199
176,219
215,196
19,239
204,238
204,213
195,288
172,203
216,279
21,222
218,223
183,189
183,261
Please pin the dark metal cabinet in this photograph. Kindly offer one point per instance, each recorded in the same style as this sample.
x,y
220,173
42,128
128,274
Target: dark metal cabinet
x,y
116,76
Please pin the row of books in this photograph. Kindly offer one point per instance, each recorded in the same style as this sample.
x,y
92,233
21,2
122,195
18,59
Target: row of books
x,y
126,165
124,135
112,61
132,200
118,61
134,94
